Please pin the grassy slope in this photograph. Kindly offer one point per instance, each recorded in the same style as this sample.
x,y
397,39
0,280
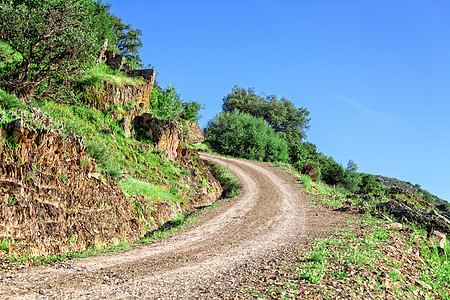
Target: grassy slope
x,y
368,258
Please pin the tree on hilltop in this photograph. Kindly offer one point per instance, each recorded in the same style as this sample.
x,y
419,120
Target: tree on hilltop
x,y
287,120
128,41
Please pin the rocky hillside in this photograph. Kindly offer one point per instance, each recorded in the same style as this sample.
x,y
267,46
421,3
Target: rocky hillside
x,y
93,175
409,188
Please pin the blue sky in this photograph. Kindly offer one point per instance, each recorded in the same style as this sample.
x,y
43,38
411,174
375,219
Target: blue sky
x,y
375,75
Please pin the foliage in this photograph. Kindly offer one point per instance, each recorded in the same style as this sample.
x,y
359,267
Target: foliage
x,y
287,120
103,156
99,73
387,183
8,101
369,185
166,104
54,38
128,42
5,244
352,179
241,135
191,111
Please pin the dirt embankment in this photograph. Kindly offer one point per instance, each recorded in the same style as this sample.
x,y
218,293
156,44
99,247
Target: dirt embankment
x,y
267,218
54,201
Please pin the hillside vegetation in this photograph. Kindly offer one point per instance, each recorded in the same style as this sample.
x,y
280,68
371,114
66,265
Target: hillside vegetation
x,y
94,153
241,130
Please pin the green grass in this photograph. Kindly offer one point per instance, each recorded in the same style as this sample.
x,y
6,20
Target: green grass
x,y
8,101
5,245
101,72
357,257
357,254
230,184
139,188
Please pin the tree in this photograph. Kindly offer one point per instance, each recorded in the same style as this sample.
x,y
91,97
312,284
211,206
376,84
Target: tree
x,y
128,42
167,103
54,39
242,135
369,185
287,120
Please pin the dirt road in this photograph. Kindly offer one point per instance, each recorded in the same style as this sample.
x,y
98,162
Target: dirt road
x,y
269,216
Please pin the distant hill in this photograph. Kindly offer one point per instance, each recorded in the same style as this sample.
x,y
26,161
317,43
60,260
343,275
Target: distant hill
x,y
413,189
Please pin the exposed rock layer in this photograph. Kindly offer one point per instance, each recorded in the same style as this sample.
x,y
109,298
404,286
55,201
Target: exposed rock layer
x,y
405,211
50,200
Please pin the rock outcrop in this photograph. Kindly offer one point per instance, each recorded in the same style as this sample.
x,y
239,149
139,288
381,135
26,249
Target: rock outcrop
x,y
195,133
135,97
164,134
405,211
173,139
51,198
53,201
108,94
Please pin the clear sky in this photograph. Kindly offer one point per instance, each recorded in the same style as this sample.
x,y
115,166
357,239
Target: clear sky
x,y
375,75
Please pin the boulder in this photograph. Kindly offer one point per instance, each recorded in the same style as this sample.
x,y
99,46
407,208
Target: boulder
x,y
195,133
164,134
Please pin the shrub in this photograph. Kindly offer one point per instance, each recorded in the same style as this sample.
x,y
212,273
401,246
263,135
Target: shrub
x,y
310,168
352,181
165,103
369,185
241,135
8,101
103,156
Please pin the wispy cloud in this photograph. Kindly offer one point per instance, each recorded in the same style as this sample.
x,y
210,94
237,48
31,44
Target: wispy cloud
x,y
364,109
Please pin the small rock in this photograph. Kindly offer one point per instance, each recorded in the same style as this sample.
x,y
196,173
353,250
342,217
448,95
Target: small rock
x,y
395,225
438,236
387,282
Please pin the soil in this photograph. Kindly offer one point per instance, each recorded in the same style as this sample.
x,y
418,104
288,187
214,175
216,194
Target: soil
x,y
230,247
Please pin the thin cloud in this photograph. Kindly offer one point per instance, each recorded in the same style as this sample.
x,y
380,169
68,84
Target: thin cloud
x,y
364,109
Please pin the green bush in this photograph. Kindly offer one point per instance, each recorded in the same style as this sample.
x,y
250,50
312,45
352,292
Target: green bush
x,y
310,168
241,135
352,181
8,101
103,156
369,185
56,39
167,103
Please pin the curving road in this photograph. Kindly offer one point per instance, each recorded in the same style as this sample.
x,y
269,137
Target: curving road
x,y
268,215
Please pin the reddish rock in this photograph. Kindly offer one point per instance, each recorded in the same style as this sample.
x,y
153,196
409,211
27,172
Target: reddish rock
x,y
165,135
195,133
51,201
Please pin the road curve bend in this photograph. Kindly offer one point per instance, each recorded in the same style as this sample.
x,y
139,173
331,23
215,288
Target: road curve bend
x,y
268,214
